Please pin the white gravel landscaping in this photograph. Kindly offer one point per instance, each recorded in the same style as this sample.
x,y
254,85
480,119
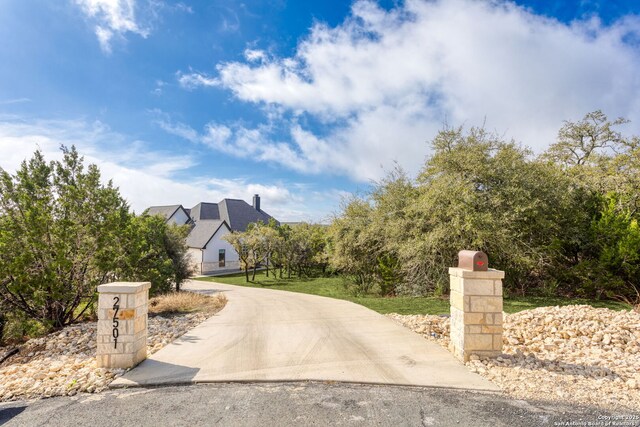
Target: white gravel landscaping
x,y
574,353
64,363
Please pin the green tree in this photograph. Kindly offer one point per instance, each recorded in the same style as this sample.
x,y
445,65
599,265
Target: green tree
x,y
605,165
59,229
154,251
609,263
581,143
239,241
271,242
175,243
355,244
281,250
391,198
480,192
476,191
258,239
621,174
306,248
565,222
63,233
319,239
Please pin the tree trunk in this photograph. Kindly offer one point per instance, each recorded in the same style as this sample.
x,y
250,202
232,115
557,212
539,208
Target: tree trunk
x,y
3,321
246,272
267,263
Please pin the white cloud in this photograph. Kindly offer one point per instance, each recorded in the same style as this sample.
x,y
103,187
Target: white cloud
x,y
184,8
242,142
112,17
230,22
193,80
147,177
254,55
14,101
179,129
383,82
159,88
217,136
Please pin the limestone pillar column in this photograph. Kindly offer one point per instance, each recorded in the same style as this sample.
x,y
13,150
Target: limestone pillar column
x,y
122,324
476,312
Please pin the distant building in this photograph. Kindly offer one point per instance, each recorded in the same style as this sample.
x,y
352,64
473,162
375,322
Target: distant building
x,y
209,223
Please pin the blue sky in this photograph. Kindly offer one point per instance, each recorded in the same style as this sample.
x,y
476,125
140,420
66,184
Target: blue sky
x,y
300,101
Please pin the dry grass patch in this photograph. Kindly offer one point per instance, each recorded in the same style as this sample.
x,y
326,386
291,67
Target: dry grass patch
x,y
186,302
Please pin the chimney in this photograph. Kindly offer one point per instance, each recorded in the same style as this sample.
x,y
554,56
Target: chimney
x,y
256,202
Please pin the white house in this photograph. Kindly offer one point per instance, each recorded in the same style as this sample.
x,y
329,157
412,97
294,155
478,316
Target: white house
x,y
209,223
207,249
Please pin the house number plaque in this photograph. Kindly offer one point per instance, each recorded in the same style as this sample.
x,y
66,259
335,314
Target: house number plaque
x,y
116,323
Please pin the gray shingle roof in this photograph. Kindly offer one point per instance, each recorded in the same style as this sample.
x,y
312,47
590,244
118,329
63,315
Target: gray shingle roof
x,y
202,232
163,211
205,210
239,214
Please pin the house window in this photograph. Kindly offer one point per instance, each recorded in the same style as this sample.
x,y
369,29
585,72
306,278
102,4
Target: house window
x,y
221,256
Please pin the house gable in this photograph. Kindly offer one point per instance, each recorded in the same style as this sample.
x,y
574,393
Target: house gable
x,y
171,213
222,225
180,217
203,231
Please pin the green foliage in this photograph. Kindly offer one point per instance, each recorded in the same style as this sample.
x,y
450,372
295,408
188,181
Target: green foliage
x,y
175,243
479,192
58,229
604,259
611,262
239,242
19,327
297,249
261,242
307,248
475,192
154,251
63,233
542,220
367,238
355,244
580,143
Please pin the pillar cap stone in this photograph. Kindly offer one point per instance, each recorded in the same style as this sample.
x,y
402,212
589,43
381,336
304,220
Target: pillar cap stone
x,y
124,287
468,274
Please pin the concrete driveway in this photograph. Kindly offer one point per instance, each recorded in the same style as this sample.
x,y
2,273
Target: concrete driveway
x,y
269,335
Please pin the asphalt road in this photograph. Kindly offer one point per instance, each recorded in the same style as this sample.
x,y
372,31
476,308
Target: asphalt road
x,y
269,335
299,404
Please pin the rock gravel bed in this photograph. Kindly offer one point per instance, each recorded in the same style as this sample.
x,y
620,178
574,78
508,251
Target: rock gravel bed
x,y
64,363
574,354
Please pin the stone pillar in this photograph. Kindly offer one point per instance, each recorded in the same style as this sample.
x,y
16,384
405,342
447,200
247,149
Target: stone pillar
x,y
476,312
122,324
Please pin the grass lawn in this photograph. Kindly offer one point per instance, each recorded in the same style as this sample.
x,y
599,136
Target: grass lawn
x,y
333,287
